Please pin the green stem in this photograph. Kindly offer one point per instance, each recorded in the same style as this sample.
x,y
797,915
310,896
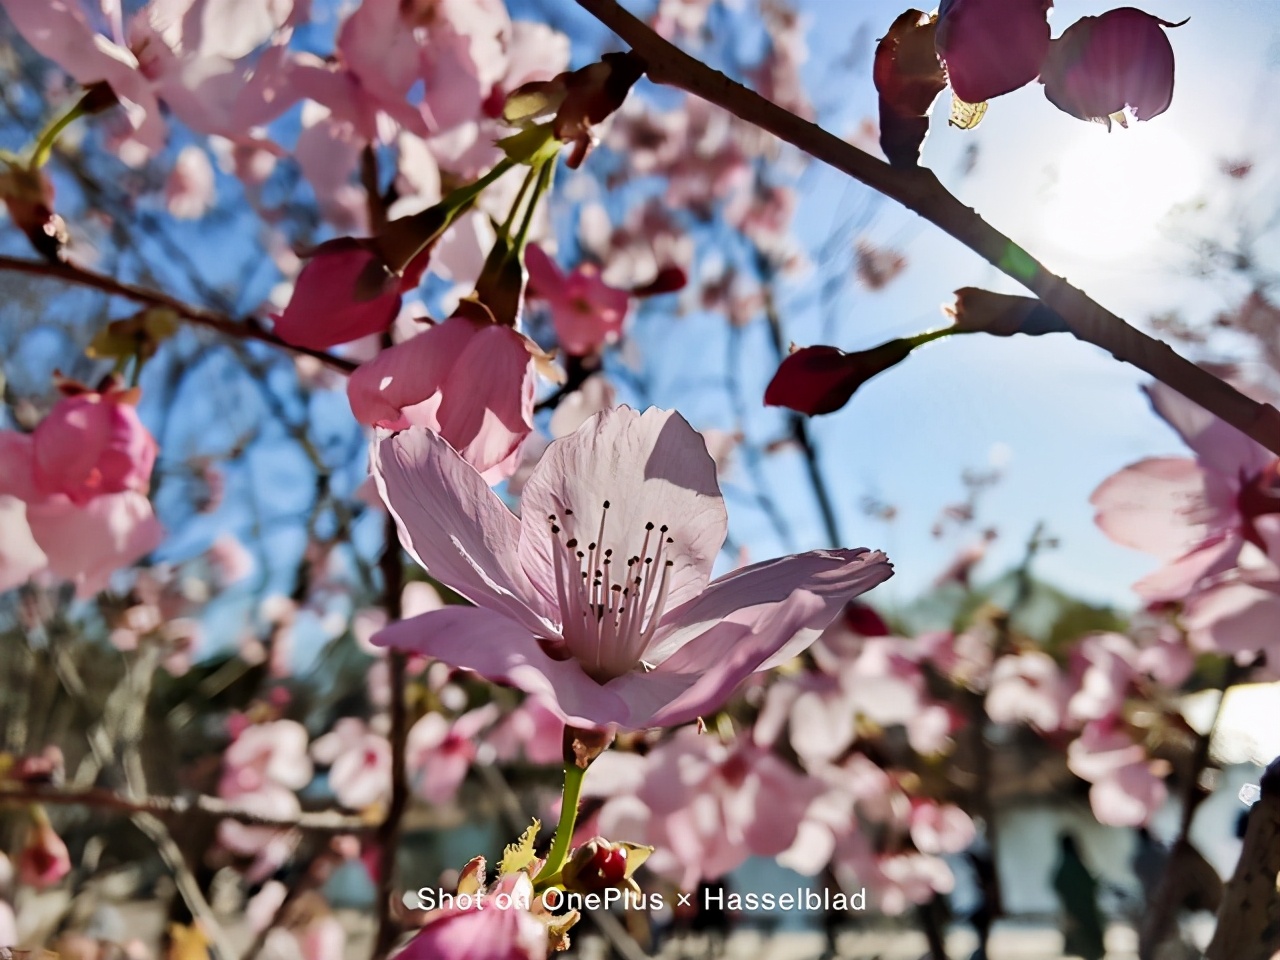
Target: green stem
x,y
49,136
921,339
573,776
534,173
546,171
459,198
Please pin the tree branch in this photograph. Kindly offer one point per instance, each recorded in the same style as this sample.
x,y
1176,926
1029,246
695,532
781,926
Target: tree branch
x,y
248,329
920,191
167,807
1249,918
388,835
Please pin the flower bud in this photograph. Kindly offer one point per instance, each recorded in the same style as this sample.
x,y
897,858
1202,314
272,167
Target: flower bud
x,y
817,380
92,444
908,78
596,865
992,47
28,196
345,292
1100,65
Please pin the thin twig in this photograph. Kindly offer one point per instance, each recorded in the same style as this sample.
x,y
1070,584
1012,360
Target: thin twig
x,y
388,835
796,423
248,329
919,190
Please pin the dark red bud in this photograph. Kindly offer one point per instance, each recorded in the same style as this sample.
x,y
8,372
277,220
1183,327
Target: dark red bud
x,y
817,380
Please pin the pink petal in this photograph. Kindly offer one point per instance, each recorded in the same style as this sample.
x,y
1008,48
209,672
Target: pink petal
x,y
701,675
1157,505
471,382
87,544
545,277
992,47
378,46
1175,580
505,651
20,555
1129,797
652,469
455,526
1235,617
17,466
1219,445
832,577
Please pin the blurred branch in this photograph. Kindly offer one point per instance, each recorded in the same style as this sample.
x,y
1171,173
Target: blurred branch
x,y
1249,919
1160,920
795,422
247,329
320,821
387,838
919,190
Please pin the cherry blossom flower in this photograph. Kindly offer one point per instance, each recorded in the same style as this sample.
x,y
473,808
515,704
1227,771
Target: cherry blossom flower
x,y
706,806
1106,664
262,768
359,762
992,47
940,828
439,752
1126,790
73,493
533,730
494,924
1100,65
587,312
1196,515
654,644
189,190
1027,687
470,381
1236,615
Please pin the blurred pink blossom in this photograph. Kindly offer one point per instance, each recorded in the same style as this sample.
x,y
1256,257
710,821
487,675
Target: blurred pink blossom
x,y
189,191
587,313
1027,687
438,752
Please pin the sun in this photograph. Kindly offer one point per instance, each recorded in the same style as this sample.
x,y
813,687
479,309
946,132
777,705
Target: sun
x,y
1110,190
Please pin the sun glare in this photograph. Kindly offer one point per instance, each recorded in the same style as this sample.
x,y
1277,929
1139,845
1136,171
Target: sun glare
x,y
1109,191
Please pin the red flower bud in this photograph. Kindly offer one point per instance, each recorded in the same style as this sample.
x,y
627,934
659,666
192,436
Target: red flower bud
x,y
992,47
817,380
1102,64
908,78
345,292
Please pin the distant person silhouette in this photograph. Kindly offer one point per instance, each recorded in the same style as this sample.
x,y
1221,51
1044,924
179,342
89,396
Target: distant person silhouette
x,y
1077,890
1150,857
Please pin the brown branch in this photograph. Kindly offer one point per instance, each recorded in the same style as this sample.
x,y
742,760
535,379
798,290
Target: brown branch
x,y
167,807
1249,918
388,835
920,191
795,422
1168,898
249,328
